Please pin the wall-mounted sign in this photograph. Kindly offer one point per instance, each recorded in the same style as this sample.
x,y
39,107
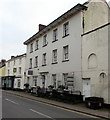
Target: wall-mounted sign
x,y
30,72
14,70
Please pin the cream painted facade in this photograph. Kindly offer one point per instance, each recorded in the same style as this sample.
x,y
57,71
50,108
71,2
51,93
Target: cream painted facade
x,y
54,73
2,74
95,51
16,67
86,65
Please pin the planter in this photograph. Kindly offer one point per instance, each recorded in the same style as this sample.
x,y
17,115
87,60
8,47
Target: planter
x,y
94,102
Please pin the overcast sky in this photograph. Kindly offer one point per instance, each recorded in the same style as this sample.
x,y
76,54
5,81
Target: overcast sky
x,y
19,20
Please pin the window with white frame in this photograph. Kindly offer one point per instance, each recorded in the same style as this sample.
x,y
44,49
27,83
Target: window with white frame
x,y
44,40
14,62
8,64
65,75
54,80
65,52
66,29
20,61
44,59
54,56
55,35
36,44
30,66
31,47
19,70
8,72
34,80
36,61
19,83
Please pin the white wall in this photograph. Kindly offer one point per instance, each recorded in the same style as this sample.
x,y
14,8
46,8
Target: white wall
x,y
17,65
74,63
96,42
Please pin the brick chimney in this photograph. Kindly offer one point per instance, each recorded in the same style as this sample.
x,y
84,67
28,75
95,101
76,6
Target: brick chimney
x,y
2,62
41,27
12,57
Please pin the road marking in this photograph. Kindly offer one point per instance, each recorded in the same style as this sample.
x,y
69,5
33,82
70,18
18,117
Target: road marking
x,y
11,101
73,111
41,114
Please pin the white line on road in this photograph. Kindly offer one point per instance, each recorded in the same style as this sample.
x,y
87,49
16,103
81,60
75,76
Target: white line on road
x,y
42,114
11,101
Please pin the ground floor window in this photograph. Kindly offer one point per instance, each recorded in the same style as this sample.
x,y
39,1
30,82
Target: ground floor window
x,y
54,80
35,80
43,81
65,75
19,82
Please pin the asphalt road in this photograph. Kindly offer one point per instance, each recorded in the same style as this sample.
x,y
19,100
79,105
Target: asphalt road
x,y
18,107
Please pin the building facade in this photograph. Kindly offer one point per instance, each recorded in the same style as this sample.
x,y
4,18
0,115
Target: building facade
x,y
15,71
51,53
2,71
72,51
95,39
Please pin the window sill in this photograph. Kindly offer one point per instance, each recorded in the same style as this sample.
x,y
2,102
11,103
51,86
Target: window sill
x,y
55,63
36,67
44,45
54,40
31,51
30,68
44,65
65,60
65,36
36,49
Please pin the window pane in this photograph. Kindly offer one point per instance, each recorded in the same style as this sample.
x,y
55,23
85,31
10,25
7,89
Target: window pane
x,y
65,52
66,29
54,59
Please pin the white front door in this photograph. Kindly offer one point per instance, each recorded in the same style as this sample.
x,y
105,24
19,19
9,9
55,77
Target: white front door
x,y
86,88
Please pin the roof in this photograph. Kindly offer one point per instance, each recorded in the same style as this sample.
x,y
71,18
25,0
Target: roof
x,y
14,57
63,17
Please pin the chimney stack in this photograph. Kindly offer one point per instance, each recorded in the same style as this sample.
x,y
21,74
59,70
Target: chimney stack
x,y
41,27
12,57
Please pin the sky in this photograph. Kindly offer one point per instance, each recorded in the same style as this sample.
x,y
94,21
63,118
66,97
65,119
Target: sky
x,y
19,20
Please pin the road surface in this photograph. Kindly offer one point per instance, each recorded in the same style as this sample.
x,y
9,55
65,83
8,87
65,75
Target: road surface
x,y
19,107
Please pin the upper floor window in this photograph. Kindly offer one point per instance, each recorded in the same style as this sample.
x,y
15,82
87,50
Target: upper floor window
x,y
55,35
54,56
19,70
14,62
30,66
44,40
8,64
8,72
20,61
36,45
66,29
44,59
31,47
65,52
36,61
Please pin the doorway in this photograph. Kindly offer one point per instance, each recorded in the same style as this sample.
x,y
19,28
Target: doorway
x,y
86,87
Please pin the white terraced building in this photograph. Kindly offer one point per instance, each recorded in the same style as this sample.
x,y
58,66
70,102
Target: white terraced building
x,y
15,68
69,51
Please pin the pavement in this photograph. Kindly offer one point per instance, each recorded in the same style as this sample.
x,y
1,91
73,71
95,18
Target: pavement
x,y
102,113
